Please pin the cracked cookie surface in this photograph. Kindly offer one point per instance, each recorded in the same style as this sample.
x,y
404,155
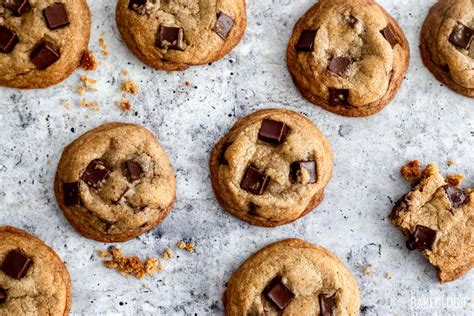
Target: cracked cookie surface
x,y
115,182
438,219
447,44
41,42
292,277
42,287
271,168
176,34
349,57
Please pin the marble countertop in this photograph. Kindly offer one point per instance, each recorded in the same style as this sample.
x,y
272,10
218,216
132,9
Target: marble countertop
x,y
190,111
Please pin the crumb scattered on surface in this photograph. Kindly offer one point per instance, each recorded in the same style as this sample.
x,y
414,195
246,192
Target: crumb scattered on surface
x,y
81,90
66,103
412,170
130,265
88,62
388,275
451,162
454,179
125,105
105,48
125,72
368,270
87,104
102,253
188,246
89,83
168,254
130,86
187,83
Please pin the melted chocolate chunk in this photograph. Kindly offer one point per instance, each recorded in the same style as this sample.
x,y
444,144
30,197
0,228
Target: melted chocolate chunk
x,y
273,132
389,35
400,206
422,239
132,4
222,159
224,24
134,170
326,305
16,264
278,293
44,55
72,193
3,295
8,40
309,166
339,97
56,16
339,65
455,195
170,37
95,173
18,7
306,41
254,181
461,36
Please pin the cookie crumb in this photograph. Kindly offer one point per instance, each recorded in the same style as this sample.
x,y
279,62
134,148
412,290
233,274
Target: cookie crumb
x,y
130,86
454,179
168,254
105,48
129,265
368,270
125,72
188,246
88,62
388,275
66,103
125,105
81,90
92,105
452,162
411,171
187,84
102,253
89,83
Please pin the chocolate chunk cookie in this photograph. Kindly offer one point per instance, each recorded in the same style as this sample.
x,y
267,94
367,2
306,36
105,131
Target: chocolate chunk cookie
x,y
349,57
438,220
447,44
292,277
41,42
33,279
271,168
115,182
176,34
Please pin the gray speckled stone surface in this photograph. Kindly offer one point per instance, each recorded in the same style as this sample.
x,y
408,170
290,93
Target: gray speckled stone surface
x,y
426,121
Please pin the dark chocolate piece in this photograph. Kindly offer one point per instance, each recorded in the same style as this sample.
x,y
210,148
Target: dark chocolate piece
x,y
306,41
273,132
135,171
253,209
326,304
254,181
95,173
278,293
56,16
8,40
72,193
16,264
224,24
339,65
170,37
44,55
422,239
339,97
400,206
461,36
222,159
389,35
455,195
310,167
18,7
132,4
3,295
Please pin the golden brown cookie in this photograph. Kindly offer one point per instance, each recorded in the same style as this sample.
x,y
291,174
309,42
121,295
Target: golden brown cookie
x,y
349,57
438,219
447,44
115,182
41,42
271,168
33,279
292,277
176,34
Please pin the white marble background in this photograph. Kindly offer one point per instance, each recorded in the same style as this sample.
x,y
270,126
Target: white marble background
x,y
426,121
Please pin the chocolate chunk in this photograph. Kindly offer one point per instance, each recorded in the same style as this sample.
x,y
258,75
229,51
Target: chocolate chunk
x,y
44,55
135,171
339,65
400,206
222,159
306,41
445,68
389,35
339,97
95,173
16,264
352,20
132,4
224,24
252,209
72,193
254,181
170,37
422,239
8,40
273,132
309,166
455,195
18,7
56,16
326,305
3,295
278,293
461,36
